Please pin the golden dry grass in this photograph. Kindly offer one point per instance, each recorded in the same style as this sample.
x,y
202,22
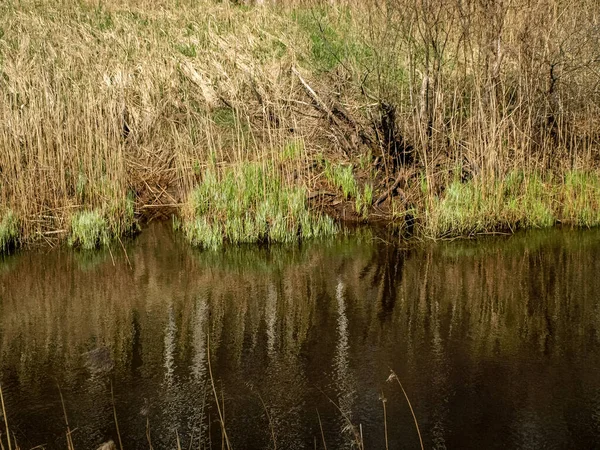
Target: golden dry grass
x,y
99,101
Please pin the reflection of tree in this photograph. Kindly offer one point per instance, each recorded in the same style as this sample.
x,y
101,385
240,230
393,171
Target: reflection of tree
x,y
384,272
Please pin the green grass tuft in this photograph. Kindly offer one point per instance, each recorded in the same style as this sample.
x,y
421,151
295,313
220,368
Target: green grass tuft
x,y
9,231
249,204
364,200
342,177
516,201
89,230
581,199
188,50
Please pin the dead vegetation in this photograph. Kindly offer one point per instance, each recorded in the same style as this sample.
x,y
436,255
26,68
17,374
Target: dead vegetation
x,y
99,102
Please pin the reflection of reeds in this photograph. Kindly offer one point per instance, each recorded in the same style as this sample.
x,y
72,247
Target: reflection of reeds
x,y
283,294
112,398
356,430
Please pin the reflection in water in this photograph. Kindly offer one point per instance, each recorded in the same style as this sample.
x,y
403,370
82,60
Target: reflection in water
x,y
169,357
496,342
343,378
271,319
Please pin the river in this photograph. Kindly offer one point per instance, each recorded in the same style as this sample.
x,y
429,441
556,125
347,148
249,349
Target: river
x,y
496,342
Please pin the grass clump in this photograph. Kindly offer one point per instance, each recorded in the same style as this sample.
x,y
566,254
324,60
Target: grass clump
x,y
292,151
333,36
203,233
464,209
89,230
531,202
9,231
364,200
473,207
342,177
581,199
248,204
96,228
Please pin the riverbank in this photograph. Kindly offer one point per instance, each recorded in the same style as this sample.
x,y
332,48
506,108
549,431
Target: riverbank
x,y
264,123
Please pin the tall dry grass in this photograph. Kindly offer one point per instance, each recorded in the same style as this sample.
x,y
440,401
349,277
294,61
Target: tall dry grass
x,y
101,101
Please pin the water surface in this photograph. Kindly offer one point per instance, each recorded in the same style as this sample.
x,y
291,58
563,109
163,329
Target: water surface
x,y
496,342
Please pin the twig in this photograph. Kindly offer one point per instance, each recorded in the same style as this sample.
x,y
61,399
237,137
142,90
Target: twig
x,y
391,190
125,251
163,205
319,103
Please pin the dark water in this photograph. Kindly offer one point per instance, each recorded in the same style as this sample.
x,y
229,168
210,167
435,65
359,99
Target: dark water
x,y
496,342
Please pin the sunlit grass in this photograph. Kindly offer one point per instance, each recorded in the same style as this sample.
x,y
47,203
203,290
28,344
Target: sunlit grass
x,y
342,177
9,231
364,200
581,199
248,204
519,200
90,229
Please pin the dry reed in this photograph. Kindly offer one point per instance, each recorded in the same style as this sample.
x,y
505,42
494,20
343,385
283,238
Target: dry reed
x,y
138,100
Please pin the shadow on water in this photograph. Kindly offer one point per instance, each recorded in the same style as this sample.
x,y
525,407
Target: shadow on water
x,y
496,342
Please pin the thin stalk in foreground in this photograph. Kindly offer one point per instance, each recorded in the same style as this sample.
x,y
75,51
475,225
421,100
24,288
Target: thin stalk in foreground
x,y
271,427
357,435
212,382
383,402
322,434
5,421
112,396
148,434
70,445
392,377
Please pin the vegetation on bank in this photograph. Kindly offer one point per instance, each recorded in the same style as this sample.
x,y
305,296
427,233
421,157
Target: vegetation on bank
x,y
452,118
98,228
250,204
9,231
517,201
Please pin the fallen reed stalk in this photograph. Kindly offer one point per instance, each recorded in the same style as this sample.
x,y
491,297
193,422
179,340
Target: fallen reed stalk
x,y
393,377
